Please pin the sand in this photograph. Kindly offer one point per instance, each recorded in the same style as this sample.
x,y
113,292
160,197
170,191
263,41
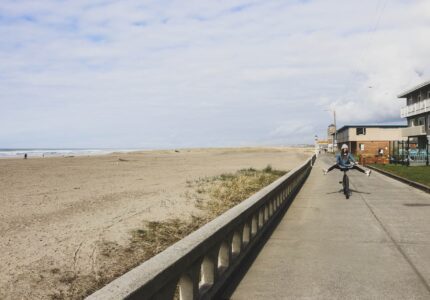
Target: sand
x,y
55,211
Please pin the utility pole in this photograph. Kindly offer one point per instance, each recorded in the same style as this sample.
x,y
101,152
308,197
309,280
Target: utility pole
x,y
335,129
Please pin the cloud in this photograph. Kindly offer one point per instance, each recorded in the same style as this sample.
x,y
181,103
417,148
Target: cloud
x,y
169,73
293,128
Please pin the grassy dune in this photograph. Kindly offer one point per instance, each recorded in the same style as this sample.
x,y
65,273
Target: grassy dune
x,y
212,195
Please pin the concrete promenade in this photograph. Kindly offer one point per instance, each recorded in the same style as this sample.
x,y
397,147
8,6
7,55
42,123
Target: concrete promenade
x,y
376,245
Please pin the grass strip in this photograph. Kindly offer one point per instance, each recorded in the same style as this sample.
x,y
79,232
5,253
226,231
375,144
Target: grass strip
x,y
420,174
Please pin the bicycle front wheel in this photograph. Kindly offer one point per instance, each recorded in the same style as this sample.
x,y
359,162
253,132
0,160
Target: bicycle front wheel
x,y
345,184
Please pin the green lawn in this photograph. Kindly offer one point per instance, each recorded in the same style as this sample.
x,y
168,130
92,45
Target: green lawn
x,y
419,174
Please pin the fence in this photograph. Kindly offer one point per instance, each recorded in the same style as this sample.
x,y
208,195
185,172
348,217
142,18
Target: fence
x,y
408,153
201,265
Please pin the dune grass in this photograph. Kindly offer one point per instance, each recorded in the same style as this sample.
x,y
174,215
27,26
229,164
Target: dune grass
x,y
223,192
212,195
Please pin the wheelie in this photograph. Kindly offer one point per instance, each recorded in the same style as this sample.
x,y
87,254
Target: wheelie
x,y
345,162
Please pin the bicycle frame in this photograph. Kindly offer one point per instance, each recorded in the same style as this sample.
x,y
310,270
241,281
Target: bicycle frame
x,y
345,181
345,184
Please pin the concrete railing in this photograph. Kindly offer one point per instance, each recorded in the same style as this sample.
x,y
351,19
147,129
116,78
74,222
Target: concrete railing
x,y
202,264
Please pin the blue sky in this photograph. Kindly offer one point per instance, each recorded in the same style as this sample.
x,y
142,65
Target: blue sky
x,y
164,74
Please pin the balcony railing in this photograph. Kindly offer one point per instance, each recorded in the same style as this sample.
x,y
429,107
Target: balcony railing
x,y
414,131
415,109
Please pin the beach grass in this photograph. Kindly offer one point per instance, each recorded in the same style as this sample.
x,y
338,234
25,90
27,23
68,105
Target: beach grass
x,y
212,195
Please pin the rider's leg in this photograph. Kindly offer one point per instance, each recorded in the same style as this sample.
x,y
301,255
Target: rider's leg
x,y
360,169
335,166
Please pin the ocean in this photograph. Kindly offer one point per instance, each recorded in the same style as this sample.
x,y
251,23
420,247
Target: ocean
x,y
48,152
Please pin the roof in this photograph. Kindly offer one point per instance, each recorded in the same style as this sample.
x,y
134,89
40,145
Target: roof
x,y
371,126
406,93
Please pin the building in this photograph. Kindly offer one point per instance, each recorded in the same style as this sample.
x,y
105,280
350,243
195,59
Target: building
x,y
417,113
331,130
322,145
370,143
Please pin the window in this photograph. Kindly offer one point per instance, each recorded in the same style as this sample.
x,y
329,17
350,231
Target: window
x,y
428,95
360,130
419,121
428,121
419,97
361,147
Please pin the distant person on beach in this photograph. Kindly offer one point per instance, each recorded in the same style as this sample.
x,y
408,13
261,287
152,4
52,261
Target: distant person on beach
x,y
25,156
344,160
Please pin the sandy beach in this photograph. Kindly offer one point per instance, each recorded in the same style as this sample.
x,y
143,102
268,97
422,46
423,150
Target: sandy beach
x,y
56,211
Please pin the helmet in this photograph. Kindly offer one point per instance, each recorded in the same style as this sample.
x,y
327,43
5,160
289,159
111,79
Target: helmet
x,y
344,146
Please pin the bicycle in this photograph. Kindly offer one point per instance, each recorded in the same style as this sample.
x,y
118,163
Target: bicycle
x,y
345,182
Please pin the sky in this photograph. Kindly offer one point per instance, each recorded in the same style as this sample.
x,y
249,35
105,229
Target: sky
x,y
170,74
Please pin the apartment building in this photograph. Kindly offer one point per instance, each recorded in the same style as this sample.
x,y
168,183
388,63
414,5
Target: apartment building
x,y
417,113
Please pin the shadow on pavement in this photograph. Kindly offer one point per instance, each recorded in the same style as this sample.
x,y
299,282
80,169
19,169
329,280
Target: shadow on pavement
x,y
354,191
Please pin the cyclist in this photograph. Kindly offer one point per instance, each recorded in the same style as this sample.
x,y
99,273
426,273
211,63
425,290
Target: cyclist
x,y
344,160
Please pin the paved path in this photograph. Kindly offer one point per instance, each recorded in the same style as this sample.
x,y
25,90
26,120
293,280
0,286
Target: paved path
x,y
376,245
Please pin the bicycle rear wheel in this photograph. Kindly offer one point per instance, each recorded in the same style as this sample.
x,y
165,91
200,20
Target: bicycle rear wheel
x,y
345,183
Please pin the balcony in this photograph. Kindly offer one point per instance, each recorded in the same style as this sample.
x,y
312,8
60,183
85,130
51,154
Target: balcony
x,y
415,109
414,131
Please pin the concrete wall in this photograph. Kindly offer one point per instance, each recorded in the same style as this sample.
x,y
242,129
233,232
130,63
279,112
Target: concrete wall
x,y
203,264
